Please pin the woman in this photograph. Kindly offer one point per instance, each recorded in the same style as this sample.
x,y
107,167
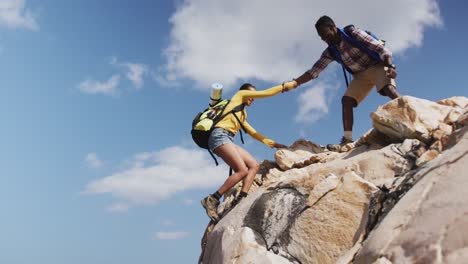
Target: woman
x,y
221,143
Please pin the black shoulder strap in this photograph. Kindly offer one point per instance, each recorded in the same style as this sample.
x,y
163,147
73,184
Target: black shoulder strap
x,y
213,156
236,109
240,123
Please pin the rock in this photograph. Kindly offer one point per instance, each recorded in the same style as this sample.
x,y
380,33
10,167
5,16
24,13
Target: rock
x,y
462,119
397,196
325,186
429,224
410,148
328,229
382,260
456,102
249,248
375,139
300,151
452,117
437,146
347,147
427,156
441,131
272,213
373,165
410,117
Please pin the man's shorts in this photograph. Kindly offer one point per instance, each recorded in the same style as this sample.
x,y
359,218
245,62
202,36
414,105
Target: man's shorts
x,y
218,137
363,82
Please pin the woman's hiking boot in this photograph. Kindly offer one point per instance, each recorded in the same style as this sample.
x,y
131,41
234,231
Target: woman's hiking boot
x,y
211,206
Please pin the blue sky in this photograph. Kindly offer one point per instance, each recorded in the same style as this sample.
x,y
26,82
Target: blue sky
x,y
97,98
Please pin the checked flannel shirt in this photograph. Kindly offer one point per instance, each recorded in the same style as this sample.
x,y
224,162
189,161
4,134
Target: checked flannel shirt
x,y
354,58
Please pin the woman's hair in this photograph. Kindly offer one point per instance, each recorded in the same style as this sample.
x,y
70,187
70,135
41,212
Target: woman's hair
x,y
246,86
324,21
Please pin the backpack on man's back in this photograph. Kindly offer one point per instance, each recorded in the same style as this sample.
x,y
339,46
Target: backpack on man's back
x,y
346,34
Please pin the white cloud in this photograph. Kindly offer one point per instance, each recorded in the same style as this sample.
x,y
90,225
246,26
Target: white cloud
x,y
154,176
134,71
313,102
189,202
170,235
13,14
118,207
108,87
168,222
275,40
93,160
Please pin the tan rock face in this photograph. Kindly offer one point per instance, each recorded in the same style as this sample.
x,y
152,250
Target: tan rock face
x,y
332,224
429,224
456,102
373,165
301,151
462,119
410,117
402,188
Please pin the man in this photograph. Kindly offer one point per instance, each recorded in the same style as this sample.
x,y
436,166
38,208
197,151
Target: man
x,y
366,58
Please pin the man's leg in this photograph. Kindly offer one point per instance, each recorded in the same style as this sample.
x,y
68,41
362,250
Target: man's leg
x,y
390,91
348,103
357,90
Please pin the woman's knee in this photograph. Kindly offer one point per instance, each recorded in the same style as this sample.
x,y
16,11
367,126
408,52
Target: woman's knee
x,y
243,171
254,166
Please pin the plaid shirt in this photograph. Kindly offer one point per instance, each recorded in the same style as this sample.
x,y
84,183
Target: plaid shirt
x,y
353,57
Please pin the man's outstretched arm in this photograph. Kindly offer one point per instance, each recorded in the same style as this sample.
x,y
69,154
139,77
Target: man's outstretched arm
x,y
314,72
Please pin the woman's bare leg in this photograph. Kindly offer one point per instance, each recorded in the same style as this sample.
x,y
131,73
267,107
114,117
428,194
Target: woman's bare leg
x,y
230,154
252,166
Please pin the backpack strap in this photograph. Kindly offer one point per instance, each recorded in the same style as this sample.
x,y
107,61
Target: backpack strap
x,y
346,34
221,116
238,108
213,156
242,126
335,53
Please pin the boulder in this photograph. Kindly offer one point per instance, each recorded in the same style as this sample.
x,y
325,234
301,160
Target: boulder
x,y
410,117
430,223
299,152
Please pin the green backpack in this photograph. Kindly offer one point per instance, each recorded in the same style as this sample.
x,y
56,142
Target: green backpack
x,y
205,121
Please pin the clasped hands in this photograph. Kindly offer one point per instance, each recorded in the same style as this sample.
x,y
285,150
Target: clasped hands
x,y
288,86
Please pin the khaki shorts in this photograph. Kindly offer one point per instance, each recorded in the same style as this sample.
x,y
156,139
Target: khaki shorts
x,y
363,82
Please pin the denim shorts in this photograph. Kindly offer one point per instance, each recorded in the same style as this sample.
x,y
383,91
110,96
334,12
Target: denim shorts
x,y
218,137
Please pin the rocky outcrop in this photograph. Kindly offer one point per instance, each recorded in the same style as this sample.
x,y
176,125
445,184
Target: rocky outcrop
x,y
430,223
394,196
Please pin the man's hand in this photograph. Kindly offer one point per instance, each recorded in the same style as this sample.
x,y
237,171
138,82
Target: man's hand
x,y
391,73
287,86
295,83
279,146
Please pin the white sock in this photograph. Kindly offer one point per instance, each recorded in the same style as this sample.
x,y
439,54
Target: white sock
x,y
348,135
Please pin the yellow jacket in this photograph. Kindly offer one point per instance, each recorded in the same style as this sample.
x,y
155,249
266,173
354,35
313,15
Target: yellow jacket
x,y
231,124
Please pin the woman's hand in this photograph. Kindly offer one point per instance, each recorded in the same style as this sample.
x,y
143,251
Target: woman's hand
x,y
279,146
287,86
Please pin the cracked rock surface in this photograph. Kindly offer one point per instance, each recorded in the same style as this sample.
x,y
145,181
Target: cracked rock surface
x,y
398,196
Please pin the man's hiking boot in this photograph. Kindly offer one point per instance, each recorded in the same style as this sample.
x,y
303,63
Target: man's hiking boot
x,y
338,147
211,206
